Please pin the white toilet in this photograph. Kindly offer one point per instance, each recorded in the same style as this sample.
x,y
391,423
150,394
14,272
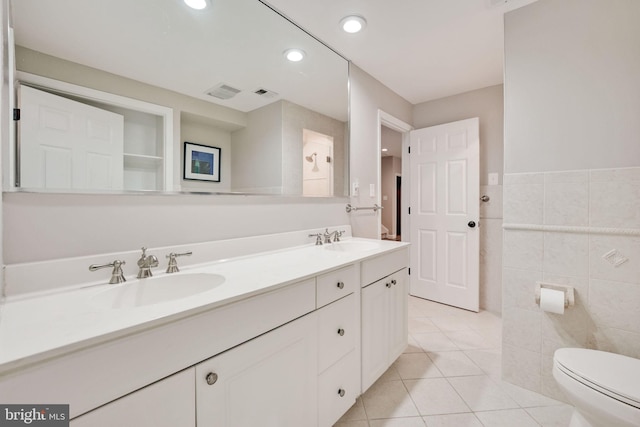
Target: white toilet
x,y
603,387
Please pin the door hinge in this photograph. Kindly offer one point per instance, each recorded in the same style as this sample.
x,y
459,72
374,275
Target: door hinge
x,y
409,149
409,271
409,210
16,114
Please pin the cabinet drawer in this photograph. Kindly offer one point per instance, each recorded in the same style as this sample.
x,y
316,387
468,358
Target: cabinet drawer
x,y
338,389
338,331
335,285
381,266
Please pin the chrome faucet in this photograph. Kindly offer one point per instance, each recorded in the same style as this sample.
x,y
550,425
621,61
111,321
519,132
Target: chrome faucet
x,y
146,263
318,237
172,267
117,276
335,233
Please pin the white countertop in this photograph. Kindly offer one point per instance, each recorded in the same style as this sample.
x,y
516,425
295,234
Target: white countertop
x,y
36,328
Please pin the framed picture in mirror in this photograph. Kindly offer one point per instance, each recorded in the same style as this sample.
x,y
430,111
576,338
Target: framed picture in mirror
x,y
201,162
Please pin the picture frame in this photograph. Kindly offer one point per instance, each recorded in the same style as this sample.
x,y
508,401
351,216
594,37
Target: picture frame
x,y
201,162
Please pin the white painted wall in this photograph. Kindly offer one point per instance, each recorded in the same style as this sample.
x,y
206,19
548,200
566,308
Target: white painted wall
x,y
368,96
203,133
50,226
573,93
256,152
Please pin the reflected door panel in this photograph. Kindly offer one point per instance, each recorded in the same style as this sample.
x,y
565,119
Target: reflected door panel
x,y
67,144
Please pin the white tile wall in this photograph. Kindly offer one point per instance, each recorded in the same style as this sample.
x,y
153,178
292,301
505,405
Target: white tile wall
x,y
558,228
491,249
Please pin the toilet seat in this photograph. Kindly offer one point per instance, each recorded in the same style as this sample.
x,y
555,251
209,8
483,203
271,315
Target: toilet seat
x,y
614,375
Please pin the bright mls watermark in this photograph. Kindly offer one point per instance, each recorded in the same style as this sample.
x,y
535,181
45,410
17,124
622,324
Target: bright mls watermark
x,y
34,415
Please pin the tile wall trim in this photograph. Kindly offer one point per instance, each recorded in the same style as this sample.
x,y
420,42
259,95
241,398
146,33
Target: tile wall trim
x,y
573,229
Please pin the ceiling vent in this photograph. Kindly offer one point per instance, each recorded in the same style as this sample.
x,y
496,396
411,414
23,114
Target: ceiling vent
x,y
223,91
496,3
266,93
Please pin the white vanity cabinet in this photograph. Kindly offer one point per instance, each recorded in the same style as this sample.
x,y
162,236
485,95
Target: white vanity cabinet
x,y
167,403
270,381
384,314
295,352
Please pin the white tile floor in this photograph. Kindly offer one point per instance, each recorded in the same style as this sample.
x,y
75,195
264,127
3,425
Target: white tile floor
x,y
449,376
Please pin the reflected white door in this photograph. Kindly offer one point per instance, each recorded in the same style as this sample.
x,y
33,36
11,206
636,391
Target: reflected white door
x,y
66,144
317,164
444,204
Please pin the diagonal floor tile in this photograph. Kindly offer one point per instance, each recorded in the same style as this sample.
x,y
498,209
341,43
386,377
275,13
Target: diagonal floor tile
x,y
388,400
435,341
552,416
398,422
482,394
453,420
435,396
416,365
454,363
506,418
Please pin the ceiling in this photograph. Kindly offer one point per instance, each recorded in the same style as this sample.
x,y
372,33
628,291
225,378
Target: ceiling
x,y
420,49
239,43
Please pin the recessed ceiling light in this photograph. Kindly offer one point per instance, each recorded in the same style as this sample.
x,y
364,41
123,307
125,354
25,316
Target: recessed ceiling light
x,y
384,150
196,4
294,55
353,23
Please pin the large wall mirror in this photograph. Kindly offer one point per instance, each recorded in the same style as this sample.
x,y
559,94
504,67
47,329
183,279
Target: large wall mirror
x,y
152,95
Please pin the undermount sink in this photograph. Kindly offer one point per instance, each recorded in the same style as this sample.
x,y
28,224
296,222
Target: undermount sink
x,y
155,290
351,246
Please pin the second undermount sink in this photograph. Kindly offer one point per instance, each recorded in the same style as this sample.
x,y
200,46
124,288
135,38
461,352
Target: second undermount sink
x,y
351,246
155,290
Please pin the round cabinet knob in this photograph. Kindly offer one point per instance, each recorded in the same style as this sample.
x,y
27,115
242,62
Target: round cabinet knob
x,y
211,378
340,285
341,332
388,285
394,282
471,224
341,392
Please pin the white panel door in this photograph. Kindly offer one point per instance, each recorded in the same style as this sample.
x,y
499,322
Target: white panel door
x,y
444,200
66,144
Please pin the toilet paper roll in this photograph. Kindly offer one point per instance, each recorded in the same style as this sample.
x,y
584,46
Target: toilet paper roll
x,y
552,300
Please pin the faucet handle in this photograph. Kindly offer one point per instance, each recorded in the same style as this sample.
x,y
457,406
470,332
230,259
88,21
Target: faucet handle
x,y
117,276
172,267
338,235
318,237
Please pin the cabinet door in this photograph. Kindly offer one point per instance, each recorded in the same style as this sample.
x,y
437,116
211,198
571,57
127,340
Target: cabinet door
x,y
398,315
166,403
270,381
375,331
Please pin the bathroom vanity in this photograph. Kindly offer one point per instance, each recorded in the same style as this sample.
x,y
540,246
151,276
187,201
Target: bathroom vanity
x,y
289,334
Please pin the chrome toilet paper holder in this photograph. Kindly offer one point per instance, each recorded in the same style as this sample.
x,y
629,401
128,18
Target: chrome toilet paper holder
x,y
569,295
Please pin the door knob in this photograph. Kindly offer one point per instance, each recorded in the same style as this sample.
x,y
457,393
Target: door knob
x,y
471,224
341,392
211,378
341,332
